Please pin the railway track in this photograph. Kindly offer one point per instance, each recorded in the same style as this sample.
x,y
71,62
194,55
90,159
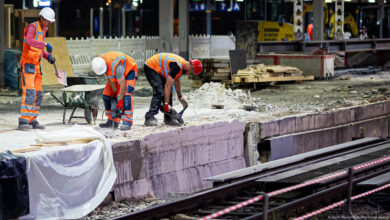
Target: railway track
x,y
311,180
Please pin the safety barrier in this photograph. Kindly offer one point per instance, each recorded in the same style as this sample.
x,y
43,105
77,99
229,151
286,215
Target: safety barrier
x,y
82,50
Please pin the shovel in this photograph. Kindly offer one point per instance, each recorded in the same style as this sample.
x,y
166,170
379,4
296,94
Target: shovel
x,y
61,75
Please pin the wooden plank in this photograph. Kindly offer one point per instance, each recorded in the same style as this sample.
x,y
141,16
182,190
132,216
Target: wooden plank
x,y
219,78
220,70
253,79
278,79
220,74
60,52
236,79
220,65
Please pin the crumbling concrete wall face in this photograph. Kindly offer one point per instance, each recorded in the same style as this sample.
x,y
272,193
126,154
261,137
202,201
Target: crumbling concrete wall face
x,y
177,161
252,138
299,134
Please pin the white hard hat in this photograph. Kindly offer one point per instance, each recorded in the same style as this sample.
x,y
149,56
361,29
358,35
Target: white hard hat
x,y
99,65
48,14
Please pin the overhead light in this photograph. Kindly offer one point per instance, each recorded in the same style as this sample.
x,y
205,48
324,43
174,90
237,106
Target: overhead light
x,y
371,1
328,1
240,0
135,4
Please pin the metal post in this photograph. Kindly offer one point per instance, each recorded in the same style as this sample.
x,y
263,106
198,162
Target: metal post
x,y
123,22
2,44
101,22
110,20
91,22
165,21
318,22
183,29
388,23
265,205
339,19
298,19
381,4
349,196
208,16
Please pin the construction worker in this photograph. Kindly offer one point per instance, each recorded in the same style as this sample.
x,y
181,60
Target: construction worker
x,y
310,31
121,71
31,76
162,71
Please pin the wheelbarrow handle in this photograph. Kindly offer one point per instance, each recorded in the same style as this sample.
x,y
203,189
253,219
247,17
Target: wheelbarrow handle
x,y
57,99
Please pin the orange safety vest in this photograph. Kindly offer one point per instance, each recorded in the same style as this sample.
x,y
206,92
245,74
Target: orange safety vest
x,y
113,59
32,54
160,63
310,31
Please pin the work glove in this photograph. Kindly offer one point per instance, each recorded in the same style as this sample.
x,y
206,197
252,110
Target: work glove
x,y
120,105
167,108
49,48
51,59
183,102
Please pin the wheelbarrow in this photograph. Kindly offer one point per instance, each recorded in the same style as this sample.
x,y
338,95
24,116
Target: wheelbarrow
x,y
81,96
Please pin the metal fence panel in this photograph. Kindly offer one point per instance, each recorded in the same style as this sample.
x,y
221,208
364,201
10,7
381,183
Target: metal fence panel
x,y
82,50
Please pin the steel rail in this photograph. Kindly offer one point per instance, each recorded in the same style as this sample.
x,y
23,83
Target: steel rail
x,y
205,196
343,185
332,46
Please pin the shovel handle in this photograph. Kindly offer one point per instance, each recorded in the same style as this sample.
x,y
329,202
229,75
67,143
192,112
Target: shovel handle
x,y
56,70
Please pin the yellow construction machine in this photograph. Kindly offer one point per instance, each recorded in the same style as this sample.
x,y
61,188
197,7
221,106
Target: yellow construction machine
x,y
273,20
329,21
274,31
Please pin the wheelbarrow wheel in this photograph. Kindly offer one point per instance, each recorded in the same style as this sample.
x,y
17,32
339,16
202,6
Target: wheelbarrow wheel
x,y
88,114
94,113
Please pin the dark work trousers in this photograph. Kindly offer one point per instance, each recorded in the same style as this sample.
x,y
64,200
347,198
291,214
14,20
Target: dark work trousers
x,y
158,83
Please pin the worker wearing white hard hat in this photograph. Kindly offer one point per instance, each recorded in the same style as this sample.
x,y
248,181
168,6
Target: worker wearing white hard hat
x,y
121,71
31,77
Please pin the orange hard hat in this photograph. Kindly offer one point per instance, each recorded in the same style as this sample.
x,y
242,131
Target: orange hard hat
x,y
197,66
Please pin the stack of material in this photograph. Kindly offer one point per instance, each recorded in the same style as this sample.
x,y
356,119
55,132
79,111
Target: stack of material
x,y
216,69
262,70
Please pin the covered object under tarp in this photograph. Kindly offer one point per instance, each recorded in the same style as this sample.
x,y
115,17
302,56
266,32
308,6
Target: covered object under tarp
x,y
69,180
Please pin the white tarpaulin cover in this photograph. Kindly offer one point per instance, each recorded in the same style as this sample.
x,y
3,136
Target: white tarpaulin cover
x,y
68,182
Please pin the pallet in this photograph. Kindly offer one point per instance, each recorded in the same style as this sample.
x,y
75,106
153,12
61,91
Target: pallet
x,y
253,79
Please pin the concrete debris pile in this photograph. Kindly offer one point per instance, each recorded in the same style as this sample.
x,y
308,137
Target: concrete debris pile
x,y
261,70
215,93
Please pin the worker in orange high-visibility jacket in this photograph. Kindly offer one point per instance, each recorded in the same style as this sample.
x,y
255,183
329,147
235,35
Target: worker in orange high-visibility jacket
x,y
163,70
310,31
122,72
31,76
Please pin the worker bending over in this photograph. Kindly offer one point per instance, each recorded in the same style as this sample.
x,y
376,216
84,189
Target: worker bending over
x,y
162,70
31,76
121,71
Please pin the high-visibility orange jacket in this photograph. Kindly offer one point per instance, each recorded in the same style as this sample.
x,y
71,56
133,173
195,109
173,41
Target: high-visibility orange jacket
x,y
113,59
310,31
160,63
32,54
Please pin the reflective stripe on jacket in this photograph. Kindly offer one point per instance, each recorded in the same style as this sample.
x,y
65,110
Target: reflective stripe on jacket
x,y
113,59
160,63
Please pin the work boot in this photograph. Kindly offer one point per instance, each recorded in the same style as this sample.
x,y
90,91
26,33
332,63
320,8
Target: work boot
x,y
171,122
108,124
125,127
23,126
36,125
151,122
